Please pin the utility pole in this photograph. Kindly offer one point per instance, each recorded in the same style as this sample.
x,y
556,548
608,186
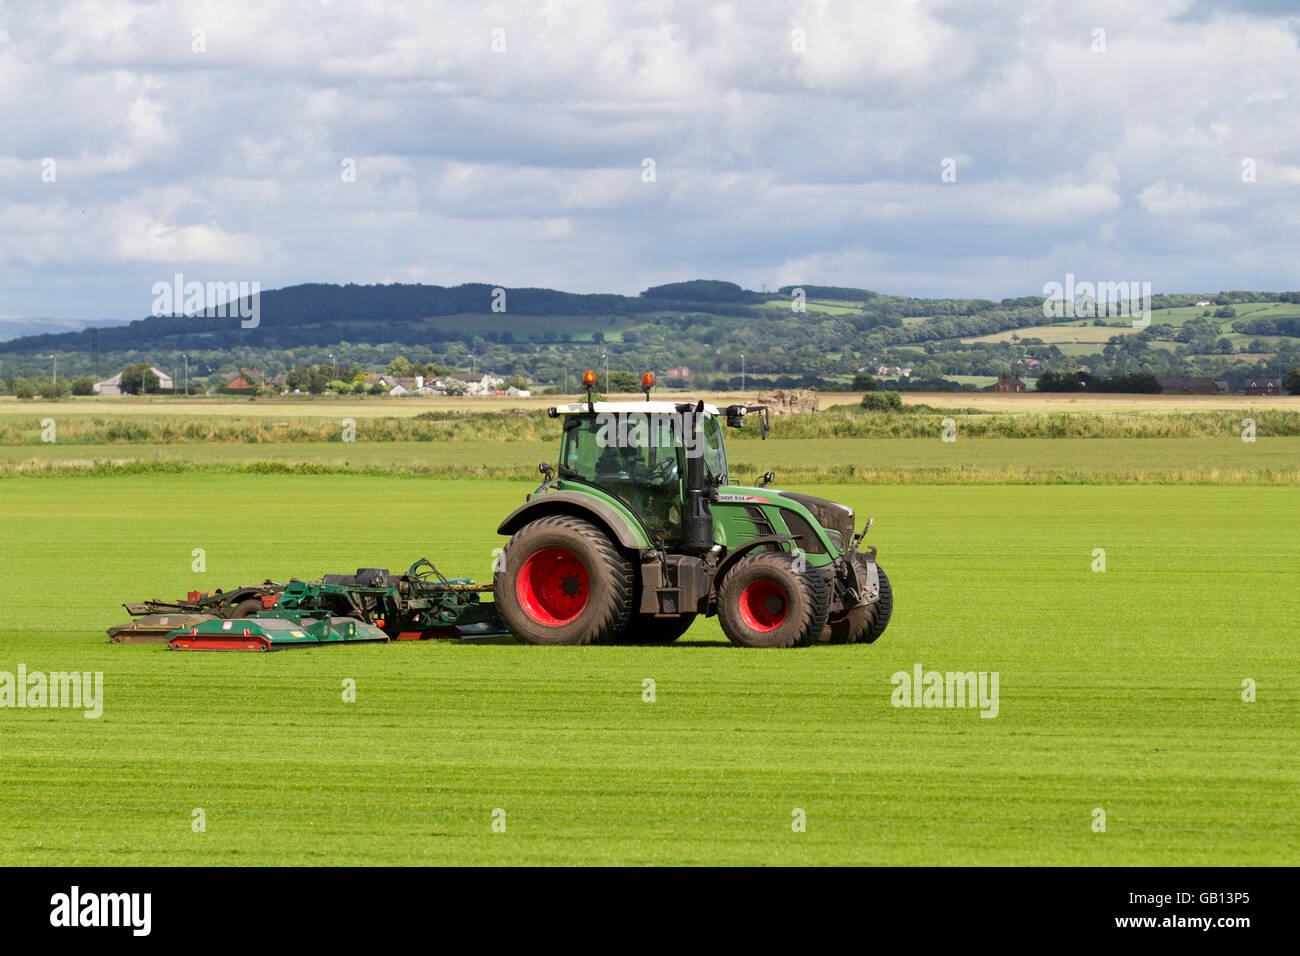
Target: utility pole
x,y
605,358
56,369
187,375
742,371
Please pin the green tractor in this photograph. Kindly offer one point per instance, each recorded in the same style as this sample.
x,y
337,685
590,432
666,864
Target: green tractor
x,y
641,528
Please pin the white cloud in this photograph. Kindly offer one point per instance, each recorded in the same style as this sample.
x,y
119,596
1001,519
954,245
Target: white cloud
x,y
524,167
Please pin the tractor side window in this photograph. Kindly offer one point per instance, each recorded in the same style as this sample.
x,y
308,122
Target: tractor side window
x,y
715,453
580,448
636,458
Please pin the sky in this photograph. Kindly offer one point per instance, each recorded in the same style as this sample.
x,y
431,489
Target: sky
x,y
936,149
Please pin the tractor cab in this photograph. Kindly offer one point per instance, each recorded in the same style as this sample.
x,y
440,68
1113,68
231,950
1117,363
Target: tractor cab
x,y
640,453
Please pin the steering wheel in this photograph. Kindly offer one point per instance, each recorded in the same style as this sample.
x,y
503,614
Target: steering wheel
x,y
665,468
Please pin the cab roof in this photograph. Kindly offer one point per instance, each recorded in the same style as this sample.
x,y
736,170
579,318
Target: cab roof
x,y
660,408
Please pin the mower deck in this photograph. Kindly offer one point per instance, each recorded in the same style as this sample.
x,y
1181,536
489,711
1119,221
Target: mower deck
x,y
154,628
274,634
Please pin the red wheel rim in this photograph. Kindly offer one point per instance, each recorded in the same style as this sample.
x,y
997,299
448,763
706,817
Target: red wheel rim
x,y
553,586
763,605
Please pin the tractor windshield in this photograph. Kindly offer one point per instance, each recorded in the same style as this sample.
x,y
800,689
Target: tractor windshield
x,y
640,458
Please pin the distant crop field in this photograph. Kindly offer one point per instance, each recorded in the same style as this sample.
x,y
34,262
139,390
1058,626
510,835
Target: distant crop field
x,y
334,409
1087,334
965,461
1038,402
834,306
1256,310
579,327
1119,690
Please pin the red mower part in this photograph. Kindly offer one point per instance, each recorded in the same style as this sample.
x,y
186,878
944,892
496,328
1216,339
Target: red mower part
x,y
763,605
553,586
209,642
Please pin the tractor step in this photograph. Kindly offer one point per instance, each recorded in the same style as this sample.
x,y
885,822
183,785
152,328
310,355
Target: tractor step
x,y
273,634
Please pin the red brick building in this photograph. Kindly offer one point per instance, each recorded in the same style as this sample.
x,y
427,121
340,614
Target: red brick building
x,y
1007,383
1264,386
1189,386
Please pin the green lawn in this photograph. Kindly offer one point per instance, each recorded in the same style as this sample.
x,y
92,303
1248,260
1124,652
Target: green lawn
x,y
1119,690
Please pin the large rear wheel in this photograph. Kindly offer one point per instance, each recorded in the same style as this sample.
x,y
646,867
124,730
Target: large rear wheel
x,y
765,601
246,609
562,581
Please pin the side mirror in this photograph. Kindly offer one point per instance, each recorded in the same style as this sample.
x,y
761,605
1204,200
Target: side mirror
x,y
736,417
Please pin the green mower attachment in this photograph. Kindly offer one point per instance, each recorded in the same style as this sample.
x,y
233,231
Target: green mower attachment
x,y
273,634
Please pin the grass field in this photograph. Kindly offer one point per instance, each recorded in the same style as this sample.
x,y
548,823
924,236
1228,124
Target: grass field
x,y
1098,460
1096,335
1254,310
1118,690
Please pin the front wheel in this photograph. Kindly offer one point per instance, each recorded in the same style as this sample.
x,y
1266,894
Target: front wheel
x,y
562,581
765,601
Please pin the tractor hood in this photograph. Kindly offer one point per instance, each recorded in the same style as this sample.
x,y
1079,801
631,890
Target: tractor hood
x,y
831,515
836,518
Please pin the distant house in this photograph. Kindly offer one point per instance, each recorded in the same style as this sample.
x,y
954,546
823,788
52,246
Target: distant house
x,y
1007,383
480,383
1263,386
246,380
405,385
1203,302
682,371
113,386
1189,386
